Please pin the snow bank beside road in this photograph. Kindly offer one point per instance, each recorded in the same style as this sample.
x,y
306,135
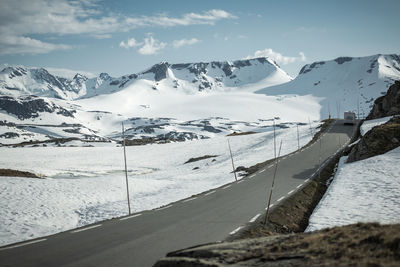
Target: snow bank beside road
x,y
363,191
369,124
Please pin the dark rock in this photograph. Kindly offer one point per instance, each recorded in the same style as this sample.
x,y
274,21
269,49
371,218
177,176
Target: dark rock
x,y
9,135
25,108
159,70
180,66
358,244
308,68
200,158
198,68
115,82
211,129
388,104
133,76
377,141
227,68
341,60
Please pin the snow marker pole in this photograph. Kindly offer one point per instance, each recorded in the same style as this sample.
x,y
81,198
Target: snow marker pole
x,y
320,159
298,138
273,183
274,141
233,165
126,171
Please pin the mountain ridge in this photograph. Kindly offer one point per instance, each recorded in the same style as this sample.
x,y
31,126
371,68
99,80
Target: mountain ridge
x,y
347,82
15,81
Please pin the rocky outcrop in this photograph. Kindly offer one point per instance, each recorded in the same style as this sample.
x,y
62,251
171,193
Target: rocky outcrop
x,y
377,141
385,137
388,104
352,245
30,107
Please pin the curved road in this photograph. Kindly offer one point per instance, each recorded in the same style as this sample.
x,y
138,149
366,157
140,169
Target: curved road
x,y
142,238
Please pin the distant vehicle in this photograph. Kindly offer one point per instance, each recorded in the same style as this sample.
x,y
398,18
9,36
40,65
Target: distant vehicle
x,y
349,118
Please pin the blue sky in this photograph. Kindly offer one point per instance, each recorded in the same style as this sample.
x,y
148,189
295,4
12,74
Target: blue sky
x,y
123,37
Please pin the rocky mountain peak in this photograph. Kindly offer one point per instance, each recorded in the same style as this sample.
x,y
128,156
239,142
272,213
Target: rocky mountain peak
x,y
79,77
159,70
104,76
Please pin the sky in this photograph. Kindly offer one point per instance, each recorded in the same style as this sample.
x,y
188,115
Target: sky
x,y
124,37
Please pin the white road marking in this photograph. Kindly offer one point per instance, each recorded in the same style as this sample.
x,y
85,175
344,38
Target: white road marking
x,y
236,230
290,192
209,193
163,208
24,244
86,228
306,180
240,181
300,185
262,171
226,187
270,206
129,217
280,199
190,199
255,218
251,176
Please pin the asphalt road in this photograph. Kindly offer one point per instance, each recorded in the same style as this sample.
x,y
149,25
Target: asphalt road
x,y
142,238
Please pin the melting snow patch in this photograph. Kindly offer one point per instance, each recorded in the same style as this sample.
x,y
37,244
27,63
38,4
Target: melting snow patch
x,y
362,191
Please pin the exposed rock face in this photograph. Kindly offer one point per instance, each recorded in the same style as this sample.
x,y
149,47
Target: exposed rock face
x,y
377,141
385,137
159,70
352,245
30,107
388,104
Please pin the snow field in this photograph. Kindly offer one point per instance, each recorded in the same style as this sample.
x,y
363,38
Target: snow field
x,y
86,185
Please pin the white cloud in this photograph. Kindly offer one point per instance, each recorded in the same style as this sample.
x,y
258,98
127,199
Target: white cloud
x,y
26,45
151,46
24,18
130,43
208,17
183,42
278,57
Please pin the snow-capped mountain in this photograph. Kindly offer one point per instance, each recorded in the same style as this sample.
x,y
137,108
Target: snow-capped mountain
x,y
173,101
21,81
191,77
343,84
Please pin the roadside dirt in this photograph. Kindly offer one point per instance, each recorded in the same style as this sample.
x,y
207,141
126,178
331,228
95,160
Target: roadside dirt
x,y
352,245
10,172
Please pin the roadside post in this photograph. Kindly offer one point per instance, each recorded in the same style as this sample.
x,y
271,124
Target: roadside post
x,y
273,183
233,165
126,170
298,138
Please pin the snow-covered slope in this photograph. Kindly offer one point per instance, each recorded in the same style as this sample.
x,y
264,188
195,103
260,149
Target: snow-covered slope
x,y
345,84
172,101
361,191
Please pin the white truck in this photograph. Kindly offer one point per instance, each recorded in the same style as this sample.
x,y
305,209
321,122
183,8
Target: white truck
x,y
349,118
